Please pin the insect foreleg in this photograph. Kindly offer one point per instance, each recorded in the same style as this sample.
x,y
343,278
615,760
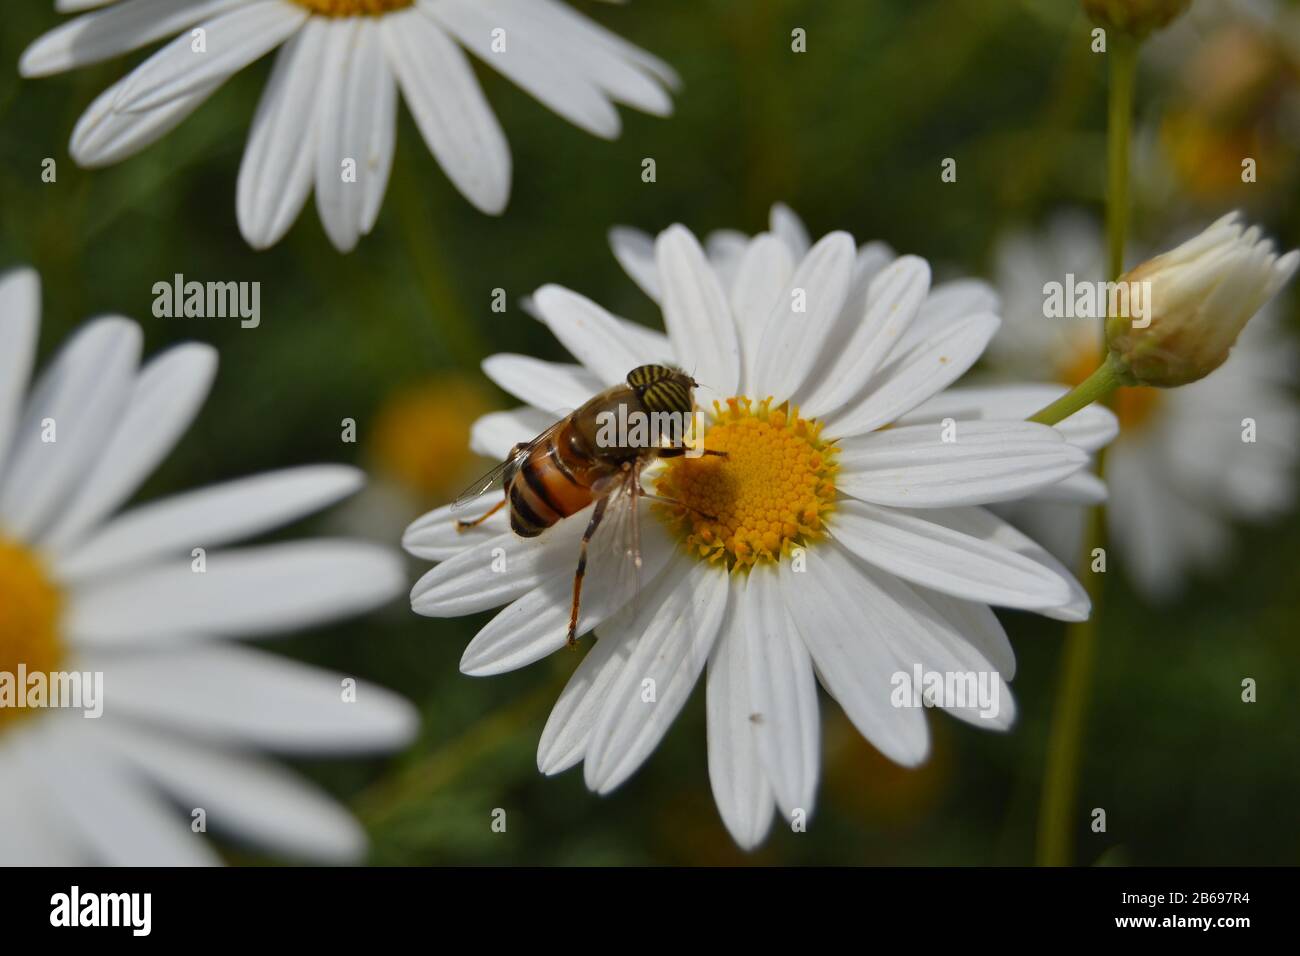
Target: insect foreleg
x,y
592,525
463,526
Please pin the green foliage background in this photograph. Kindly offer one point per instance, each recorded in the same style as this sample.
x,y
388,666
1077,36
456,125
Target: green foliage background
x,y
851,135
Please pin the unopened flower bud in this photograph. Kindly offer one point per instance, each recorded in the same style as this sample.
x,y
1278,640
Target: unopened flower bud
x,y
1137,18
1187,306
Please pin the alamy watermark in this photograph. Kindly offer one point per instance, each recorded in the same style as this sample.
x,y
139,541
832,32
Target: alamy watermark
x,y
1086,299
638,429
74,690
209,300
956,689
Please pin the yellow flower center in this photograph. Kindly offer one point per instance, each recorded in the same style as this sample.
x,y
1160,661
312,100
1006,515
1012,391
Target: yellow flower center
x,y
29,621
771,492
353,8
1134,407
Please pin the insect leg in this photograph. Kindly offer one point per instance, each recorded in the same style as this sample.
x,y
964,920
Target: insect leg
x,y
679,504
592,525
677,452
466,525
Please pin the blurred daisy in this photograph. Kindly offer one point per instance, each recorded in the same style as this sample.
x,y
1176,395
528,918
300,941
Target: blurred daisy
x,y
419,454
85,588
1180,470
850,543
328,116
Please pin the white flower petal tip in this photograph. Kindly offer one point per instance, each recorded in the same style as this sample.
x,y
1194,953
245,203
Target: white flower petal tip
x,y
696,311
930,466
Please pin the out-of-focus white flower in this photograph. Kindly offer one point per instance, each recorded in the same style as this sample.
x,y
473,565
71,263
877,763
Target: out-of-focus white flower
x,y
84,588
1187,460
328,118
845,539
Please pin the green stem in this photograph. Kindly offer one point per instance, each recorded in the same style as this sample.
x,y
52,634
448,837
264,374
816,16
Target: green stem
x,y
1107,377
1123,80
1056,816
1058,809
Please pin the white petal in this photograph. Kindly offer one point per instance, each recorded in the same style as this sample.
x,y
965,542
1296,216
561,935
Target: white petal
x,y
358,124
166,396
591,335
724,249
20,322
537,624
120,818
1090,428
276,172
696,312
120,29
893,299
564,739
794,341
923,552
594,34
977,625
81,396
929,367
919,635
549,386
434,536
948,303
208,518
448,105
233,694
1082,487
473,581
104,136
847,638
736,772
674,631
627,74
244,796
789,228
234,39
782,693
913,466
761,278
253,591
32,833
528,61
981,523
635,252
494,434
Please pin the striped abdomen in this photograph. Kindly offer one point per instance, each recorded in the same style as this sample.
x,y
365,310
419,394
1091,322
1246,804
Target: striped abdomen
x,y
553,482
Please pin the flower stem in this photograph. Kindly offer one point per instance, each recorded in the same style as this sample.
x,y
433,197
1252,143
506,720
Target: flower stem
x,y
1096,387
1123,80
1058,807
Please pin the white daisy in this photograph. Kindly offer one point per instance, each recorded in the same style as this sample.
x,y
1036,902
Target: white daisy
x,y
328,116
1180,471
850,545
186,708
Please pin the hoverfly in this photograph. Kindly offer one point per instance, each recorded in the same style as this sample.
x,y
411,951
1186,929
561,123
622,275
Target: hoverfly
x,y
573,463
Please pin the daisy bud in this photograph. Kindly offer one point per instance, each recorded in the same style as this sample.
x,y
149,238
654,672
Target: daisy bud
x,y
1137,18
1185,308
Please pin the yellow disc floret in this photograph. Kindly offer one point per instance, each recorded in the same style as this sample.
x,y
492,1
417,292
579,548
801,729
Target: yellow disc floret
x,y
770,493
29,620
353,8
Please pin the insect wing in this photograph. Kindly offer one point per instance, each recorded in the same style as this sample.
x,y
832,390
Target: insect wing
x,y
495,478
